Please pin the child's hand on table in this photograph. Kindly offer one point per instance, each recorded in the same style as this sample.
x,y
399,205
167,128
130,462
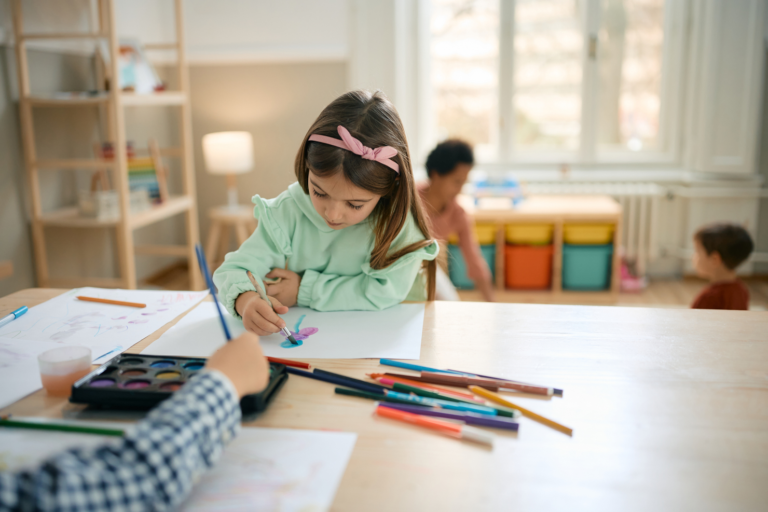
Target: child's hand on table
x,y
287,288
258,317
243,362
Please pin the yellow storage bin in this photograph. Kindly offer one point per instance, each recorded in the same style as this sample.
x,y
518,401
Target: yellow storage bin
x,y
588,234
529,234
485,234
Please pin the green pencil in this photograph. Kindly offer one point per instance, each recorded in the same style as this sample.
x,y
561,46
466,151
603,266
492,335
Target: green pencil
x,y
405,388
61,428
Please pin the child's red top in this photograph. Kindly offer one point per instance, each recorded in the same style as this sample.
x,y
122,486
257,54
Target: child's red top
x,y
729,295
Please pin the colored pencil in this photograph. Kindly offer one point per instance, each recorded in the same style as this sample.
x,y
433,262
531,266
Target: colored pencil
x,y
445,404
556,391
372,396
415,367
402,398
288,362
425,377
452,392
207,276
61,427
527,413
463,381
113,302
405,388
469,418
333,379
452,429
318,371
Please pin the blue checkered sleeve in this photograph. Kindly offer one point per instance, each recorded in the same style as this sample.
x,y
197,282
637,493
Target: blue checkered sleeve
x,y
152,468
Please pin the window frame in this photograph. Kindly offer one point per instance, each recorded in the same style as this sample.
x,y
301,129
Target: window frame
x,y
589,154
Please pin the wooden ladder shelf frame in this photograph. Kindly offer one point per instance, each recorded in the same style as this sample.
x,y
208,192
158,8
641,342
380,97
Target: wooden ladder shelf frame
x,y
113,104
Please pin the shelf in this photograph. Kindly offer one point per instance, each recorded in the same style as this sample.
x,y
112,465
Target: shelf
x,y
74,163
52,101
171,207
66,35
155,98
70,217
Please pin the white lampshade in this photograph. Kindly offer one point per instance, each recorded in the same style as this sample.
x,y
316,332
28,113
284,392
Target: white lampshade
x,y
228,152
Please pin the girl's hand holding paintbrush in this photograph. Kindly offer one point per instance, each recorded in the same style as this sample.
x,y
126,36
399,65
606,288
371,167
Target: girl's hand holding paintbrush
x,y
258,316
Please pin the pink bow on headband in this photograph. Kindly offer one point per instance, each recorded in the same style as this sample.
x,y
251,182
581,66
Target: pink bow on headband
x,y
348,142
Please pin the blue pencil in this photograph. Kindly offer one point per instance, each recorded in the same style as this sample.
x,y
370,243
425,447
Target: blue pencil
x,y
415,367
207,275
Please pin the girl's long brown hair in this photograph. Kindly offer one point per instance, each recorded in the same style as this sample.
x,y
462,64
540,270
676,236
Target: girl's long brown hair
x,y
373,120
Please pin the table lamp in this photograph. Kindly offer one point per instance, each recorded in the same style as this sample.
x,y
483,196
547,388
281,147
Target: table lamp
x,y
228,153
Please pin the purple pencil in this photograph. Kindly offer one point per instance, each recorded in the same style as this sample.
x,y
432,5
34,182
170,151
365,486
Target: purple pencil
x,y
469,418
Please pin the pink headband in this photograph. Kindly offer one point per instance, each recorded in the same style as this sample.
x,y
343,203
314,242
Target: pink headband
x,y
348,142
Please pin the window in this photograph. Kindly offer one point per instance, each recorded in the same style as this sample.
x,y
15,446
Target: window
x,y
550,80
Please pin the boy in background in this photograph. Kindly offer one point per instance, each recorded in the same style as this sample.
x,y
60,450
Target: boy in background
x,y
448,167
720,249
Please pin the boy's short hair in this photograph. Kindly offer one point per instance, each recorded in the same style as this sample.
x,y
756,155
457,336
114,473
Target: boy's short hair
x,y
730,241
444,158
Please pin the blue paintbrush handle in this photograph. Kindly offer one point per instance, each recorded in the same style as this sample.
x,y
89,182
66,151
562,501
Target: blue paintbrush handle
x,y
207,275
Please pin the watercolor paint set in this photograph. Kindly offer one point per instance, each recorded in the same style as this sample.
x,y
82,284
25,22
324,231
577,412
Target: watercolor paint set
x,y
138,381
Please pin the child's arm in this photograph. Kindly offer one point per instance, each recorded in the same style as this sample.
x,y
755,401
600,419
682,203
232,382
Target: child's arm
x,y
477,267
265,249
369,291
154,466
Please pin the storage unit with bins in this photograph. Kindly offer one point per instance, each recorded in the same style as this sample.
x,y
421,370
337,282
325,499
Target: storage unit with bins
x,y
547,249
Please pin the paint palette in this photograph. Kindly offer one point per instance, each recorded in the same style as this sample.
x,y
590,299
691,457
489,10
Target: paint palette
x,y
131,381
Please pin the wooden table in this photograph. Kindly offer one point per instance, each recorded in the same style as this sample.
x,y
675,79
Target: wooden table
x,y
669,410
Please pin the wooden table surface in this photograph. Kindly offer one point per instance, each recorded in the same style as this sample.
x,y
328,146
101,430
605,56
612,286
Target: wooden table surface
x,y
669,410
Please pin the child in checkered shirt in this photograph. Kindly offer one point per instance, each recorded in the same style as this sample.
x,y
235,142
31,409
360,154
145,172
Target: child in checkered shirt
x,y
155,465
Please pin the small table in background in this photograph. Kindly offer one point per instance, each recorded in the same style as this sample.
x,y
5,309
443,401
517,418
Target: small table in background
x,y
223,219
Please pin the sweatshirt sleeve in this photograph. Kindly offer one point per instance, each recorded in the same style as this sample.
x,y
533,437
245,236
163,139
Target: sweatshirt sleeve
x,y
372,289
267,248
151,468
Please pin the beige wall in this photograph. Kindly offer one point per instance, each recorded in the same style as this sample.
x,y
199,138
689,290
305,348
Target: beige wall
x,y
276,103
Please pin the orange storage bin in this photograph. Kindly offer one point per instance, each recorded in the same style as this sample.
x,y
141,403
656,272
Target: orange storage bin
x,y
528,267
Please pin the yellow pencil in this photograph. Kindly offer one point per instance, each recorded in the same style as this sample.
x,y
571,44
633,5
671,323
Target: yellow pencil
x,y
493,397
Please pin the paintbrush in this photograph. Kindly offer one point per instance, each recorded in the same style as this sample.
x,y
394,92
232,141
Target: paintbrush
x,y
264,296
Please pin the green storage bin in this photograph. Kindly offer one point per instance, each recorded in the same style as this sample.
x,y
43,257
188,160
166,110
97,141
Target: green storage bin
x,y
587,267
457,267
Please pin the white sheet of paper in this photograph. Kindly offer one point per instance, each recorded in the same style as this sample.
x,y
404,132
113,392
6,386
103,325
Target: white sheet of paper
x,y
275,469
262,469
393,333
64,320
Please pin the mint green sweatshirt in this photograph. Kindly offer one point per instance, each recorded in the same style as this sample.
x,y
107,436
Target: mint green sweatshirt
x,y
334,264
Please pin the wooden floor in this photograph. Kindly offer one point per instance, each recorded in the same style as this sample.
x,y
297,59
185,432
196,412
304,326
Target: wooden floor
x,y
677,293
659,293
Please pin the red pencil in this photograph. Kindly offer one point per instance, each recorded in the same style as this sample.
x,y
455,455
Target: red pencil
x,y
288,362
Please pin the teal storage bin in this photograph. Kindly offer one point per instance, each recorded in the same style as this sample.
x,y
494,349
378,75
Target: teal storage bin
x,y
587,267
457,267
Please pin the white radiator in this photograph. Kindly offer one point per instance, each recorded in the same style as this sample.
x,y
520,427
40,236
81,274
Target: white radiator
x,y
640,204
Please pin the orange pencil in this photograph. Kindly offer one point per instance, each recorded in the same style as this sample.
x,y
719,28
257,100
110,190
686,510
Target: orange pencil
x,y
114,302
418,384
452,429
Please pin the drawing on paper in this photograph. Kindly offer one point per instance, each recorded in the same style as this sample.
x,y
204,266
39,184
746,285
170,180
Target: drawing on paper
x,y
299,334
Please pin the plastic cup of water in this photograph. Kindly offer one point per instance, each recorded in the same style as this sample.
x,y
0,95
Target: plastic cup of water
x,y
62,367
